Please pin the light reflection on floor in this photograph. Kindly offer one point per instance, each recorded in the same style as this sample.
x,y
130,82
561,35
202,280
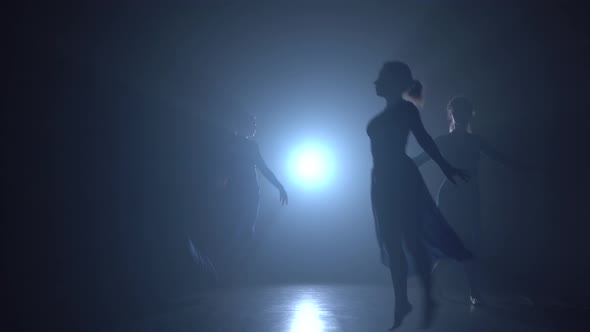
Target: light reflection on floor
x,y
307,317
338,308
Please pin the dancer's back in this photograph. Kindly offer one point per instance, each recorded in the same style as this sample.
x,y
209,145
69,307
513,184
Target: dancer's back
x,y
462,149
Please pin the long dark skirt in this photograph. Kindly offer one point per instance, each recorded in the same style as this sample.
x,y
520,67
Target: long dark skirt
x,y
402,203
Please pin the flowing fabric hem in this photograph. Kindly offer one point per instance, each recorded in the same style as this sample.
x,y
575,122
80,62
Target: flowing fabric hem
x,y
438,236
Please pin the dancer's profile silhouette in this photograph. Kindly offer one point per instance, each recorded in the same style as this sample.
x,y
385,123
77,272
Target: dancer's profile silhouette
x,y
400,198
460,204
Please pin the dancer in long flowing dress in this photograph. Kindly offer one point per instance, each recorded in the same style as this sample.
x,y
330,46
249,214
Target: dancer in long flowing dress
x,y
406,217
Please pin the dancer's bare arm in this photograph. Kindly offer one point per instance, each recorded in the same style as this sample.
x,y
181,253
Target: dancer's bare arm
x,y
270,176
429,146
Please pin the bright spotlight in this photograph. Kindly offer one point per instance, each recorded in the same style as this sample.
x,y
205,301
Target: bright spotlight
x,y
311,165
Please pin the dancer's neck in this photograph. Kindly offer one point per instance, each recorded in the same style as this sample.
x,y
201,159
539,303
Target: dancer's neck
x,y
391,101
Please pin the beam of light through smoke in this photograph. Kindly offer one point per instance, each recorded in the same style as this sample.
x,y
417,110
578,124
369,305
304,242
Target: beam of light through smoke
x,y
311,165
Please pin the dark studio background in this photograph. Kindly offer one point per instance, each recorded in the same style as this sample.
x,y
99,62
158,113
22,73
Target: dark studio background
x,y
107,126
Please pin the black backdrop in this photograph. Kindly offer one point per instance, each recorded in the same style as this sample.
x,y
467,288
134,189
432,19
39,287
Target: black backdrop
x,y
90,184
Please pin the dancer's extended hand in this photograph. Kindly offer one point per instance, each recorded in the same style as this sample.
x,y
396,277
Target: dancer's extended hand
x,y
283,196
450,172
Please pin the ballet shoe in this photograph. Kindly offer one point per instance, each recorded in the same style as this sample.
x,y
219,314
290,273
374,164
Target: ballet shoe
x,y
476,300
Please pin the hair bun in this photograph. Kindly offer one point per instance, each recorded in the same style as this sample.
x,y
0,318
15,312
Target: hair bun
x,y
415,91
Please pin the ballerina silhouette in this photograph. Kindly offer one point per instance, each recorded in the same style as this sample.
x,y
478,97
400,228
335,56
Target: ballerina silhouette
x,y
241,187
406,217
243,180
460,204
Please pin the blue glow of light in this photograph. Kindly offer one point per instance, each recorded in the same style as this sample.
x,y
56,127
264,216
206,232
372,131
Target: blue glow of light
x,y
311,165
